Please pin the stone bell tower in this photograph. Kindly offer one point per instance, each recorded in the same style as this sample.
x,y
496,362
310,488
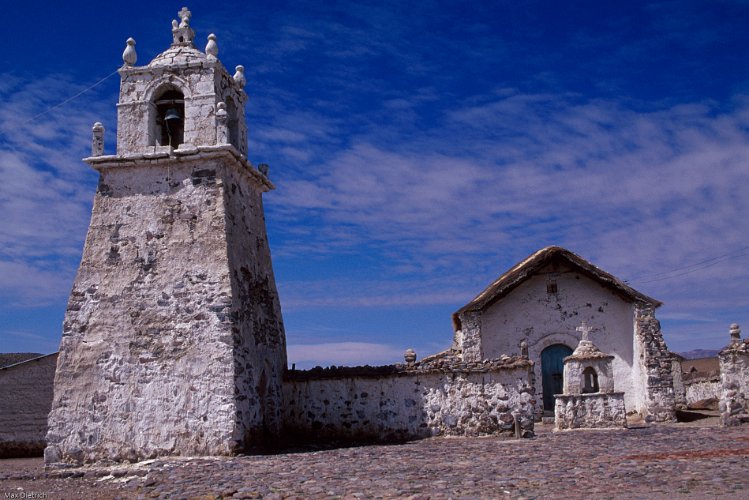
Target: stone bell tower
x,y
173,342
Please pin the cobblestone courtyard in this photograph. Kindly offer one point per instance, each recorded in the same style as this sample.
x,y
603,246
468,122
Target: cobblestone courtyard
x,y
657,462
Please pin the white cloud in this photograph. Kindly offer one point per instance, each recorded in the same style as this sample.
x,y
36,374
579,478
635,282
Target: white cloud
x,y
342,353
46,193
636,192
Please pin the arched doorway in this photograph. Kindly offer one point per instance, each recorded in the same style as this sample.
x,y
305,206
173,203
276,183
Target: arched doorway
x,y
552,370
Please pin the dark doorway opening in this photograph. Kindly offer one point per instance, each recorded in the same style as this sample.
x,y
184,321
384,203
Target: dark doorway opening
x,y
552,372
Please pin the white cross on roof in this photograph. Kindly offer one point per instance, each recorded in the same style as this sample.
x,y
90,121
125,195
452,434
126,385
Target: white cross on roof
x,y
585,330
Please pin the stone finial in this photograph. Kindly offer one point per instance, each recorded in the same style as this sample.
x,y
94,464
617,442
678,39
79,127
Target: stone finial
x,y
211,49
584,330
222,118
129,56
735,332
264,168
97,139
239,76
524,348
410,356
182,33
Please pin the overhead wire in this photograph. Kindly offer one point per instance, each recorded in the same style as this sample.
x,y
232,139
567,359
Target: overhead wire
x,y
51,108
698,266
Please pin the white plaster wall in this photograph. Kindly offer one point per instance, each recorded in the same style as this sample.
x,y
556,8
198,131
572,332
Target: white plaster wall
x,y
408,406
702,389
203,87
171,315
544,319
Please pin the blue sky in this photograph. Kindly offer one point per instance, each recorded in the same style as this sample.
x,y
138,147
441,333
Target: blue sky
x,y
419,151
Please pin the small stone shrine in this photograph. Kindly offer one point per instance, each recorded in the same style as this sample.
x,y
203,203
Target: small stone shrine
x,y
589,399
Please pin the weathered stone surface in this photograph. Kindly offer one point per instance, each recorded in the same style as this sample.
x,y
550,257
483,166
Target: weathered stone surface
x,y
587,355
410,401
590,411
25,400
542,300
204,83
734,375
700,389
173,341
589,400
654,366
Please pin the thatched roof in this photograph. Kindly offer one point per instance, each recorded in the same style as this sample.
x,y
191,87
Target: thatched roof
x,y
523,270
12,358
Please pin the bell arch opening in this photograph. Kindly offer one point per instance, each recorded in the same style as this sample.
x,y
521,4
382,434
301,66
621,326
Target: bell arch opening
x,y
169,117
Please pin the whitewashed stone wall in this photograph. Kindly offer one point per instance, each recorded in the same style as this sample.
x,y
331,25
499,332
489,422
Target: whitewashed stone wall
x,y
702,388
203,82
576,411
25,401
734,374
545,319
394,403
680,397
172,342
654,366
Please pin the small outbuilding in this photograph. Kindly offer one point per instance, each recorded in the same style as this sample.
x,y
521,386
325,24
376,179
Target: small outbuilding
x,y
541,301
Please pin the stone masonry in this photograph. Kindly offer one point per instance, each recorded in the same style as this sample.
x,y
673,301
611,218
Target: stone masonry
x,y
655,365
589,399
734,374
400,402
173,342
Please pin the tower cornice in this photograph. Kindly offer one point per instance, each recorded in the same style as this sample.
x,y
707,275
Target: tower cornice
x,y
225,152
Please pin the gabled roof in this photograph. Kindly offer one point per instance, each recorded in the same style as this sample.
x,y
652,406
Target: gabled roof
x,y
523,270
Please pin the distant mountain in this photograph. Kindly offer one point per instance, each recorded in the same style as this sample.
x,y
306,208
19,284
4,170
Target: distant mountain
x,y
11,358
700,353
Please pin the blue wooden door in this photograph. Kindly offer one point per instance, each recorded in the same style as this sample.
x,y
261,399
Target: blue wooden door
x,y
552,370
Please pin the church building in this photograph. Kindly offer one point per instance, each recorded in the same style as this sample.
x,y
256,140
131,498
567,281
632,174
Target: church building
x,y
173,341
540,303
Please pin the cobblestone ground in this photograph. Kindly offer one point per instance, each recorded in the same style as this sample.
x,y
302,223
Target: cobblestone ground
x,y
656,462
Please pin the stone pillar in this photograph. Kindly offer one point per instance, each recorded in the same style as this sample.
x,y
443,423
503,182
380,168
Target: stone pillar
x,y
734,378
222,130
97,139
655,364
468,338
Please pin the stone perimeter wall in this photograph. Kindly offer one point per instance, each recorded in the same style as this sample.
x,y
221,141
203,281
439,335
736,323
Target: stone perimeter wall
x,y
399,403
734,374
699,389
25,400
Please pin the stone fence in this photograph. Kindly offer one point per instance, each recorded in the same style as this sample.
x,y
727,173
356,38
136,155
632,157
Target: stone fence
x,y
417,400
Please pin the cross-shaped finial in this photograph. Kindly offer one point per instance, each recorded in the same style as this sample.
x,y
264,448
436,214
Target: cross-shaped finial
x,y
585,330
184,15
